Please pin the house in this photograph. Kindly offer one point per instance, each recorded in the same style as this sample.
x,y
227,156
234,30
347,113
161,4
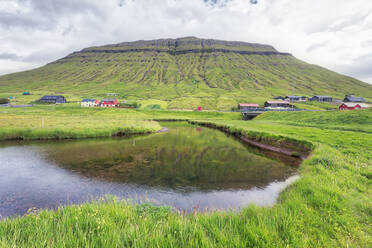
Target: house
x,y
351,98
295,98
89,103
248,106
53,99
109,102
321,98
353,105
278,104
278,98
26,93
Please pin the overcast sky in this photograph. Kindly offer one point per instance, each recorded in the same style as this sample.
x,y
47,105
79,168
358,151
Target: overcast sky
x,y
336,34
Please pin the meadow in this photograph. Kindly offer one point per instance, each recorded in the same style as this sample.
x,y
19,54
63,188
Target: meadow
x,y
72,121
329,206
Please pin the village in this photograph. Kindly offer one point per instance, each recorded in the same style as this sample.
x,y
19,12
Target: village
x,y
279,103
350,102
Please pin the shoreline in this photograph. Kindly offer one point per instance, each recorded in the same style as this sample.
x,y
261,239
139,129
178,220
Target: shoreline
x,y
288,149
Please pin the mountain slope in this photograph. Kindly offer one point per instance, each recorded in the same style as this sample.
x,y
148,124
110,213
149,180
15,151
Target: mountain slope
x,y
186,72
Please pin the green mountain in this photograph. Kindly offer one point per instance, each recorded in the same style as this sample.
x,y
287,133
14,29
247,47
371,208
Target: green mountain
x,y
184,73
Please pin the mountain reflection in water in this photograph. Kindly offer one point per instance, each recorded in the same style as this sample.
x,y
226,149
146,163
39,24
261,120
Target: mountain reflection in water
x,y
187,167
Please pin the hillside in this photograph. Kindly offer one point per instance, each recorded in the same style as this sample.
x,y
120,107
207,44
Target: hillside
x,y
183,73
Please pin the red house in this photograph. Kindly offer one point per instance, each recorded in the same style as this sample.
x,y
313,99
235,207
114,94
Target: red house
x,y
352,106
109,103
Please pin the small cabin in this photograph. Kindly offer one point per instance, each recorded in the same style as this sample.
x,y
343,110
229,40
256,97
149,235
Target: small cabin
x,y
295,98
248,106
53,99
26,93
352,98
89,103
353,106
109,103
321,99
278,104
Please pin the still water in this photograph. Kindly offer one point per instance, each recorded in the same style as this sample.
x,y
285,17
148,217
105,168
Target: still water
x,y
186,168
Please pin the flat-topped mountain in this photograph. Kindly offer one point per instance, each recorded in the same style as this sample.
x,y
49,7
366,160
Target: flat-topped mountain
x,y
185,72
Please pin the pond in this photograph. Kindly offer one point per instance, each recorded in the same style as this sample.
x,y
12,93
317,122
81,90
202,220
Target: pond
x,y
187,168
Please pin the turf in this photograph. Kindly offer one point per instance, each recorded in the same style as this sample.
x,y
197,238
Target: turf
x,y
329,206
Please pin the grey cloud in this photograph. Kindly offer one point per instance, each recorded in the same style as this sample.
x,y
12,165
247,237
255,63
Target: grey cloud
x,y
356,19
11,56
316,46
45,14
360,67
366,44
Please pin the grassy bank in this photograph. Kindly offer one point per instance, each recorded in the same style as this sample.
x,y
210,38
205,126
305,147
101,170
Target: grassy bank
x,y
329,206
61,122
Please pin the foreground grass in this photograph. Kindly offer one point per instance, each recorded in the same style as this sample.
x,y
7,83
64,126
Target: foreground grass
x,y
329,206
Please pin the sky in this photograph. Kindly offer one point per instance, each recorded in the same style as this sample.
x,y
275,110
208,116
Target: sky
x,y
336,34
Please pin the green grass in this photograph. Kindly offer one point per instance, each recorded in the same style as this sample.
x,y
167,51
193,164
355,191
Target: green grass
x,y
68,122
330,206
213,80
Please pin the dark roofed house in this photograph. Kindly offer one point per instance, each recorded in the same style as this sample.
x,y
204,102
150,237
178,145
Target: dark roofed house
x,y
351,98
248,106
295,98
278,104
321,98
53,99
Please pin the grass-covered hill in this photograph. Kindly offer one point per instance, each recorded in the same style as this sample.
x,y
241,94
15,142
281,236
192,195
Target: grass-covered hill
x,y
184,73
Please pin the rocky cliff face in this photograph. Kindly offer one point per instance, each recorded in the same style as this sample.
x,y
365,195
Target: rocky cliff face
x,y
180,46
185,44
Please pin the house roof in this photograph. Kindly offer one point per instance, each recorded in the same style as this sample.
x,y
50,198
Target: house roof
x,y
278,97
323,96
353,104
249,105
89,100
294,96
277,102
354,99
51,97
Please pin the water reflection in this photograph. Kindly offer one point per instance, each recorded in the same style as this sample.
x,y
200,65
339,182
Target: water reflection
x,y
185,168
